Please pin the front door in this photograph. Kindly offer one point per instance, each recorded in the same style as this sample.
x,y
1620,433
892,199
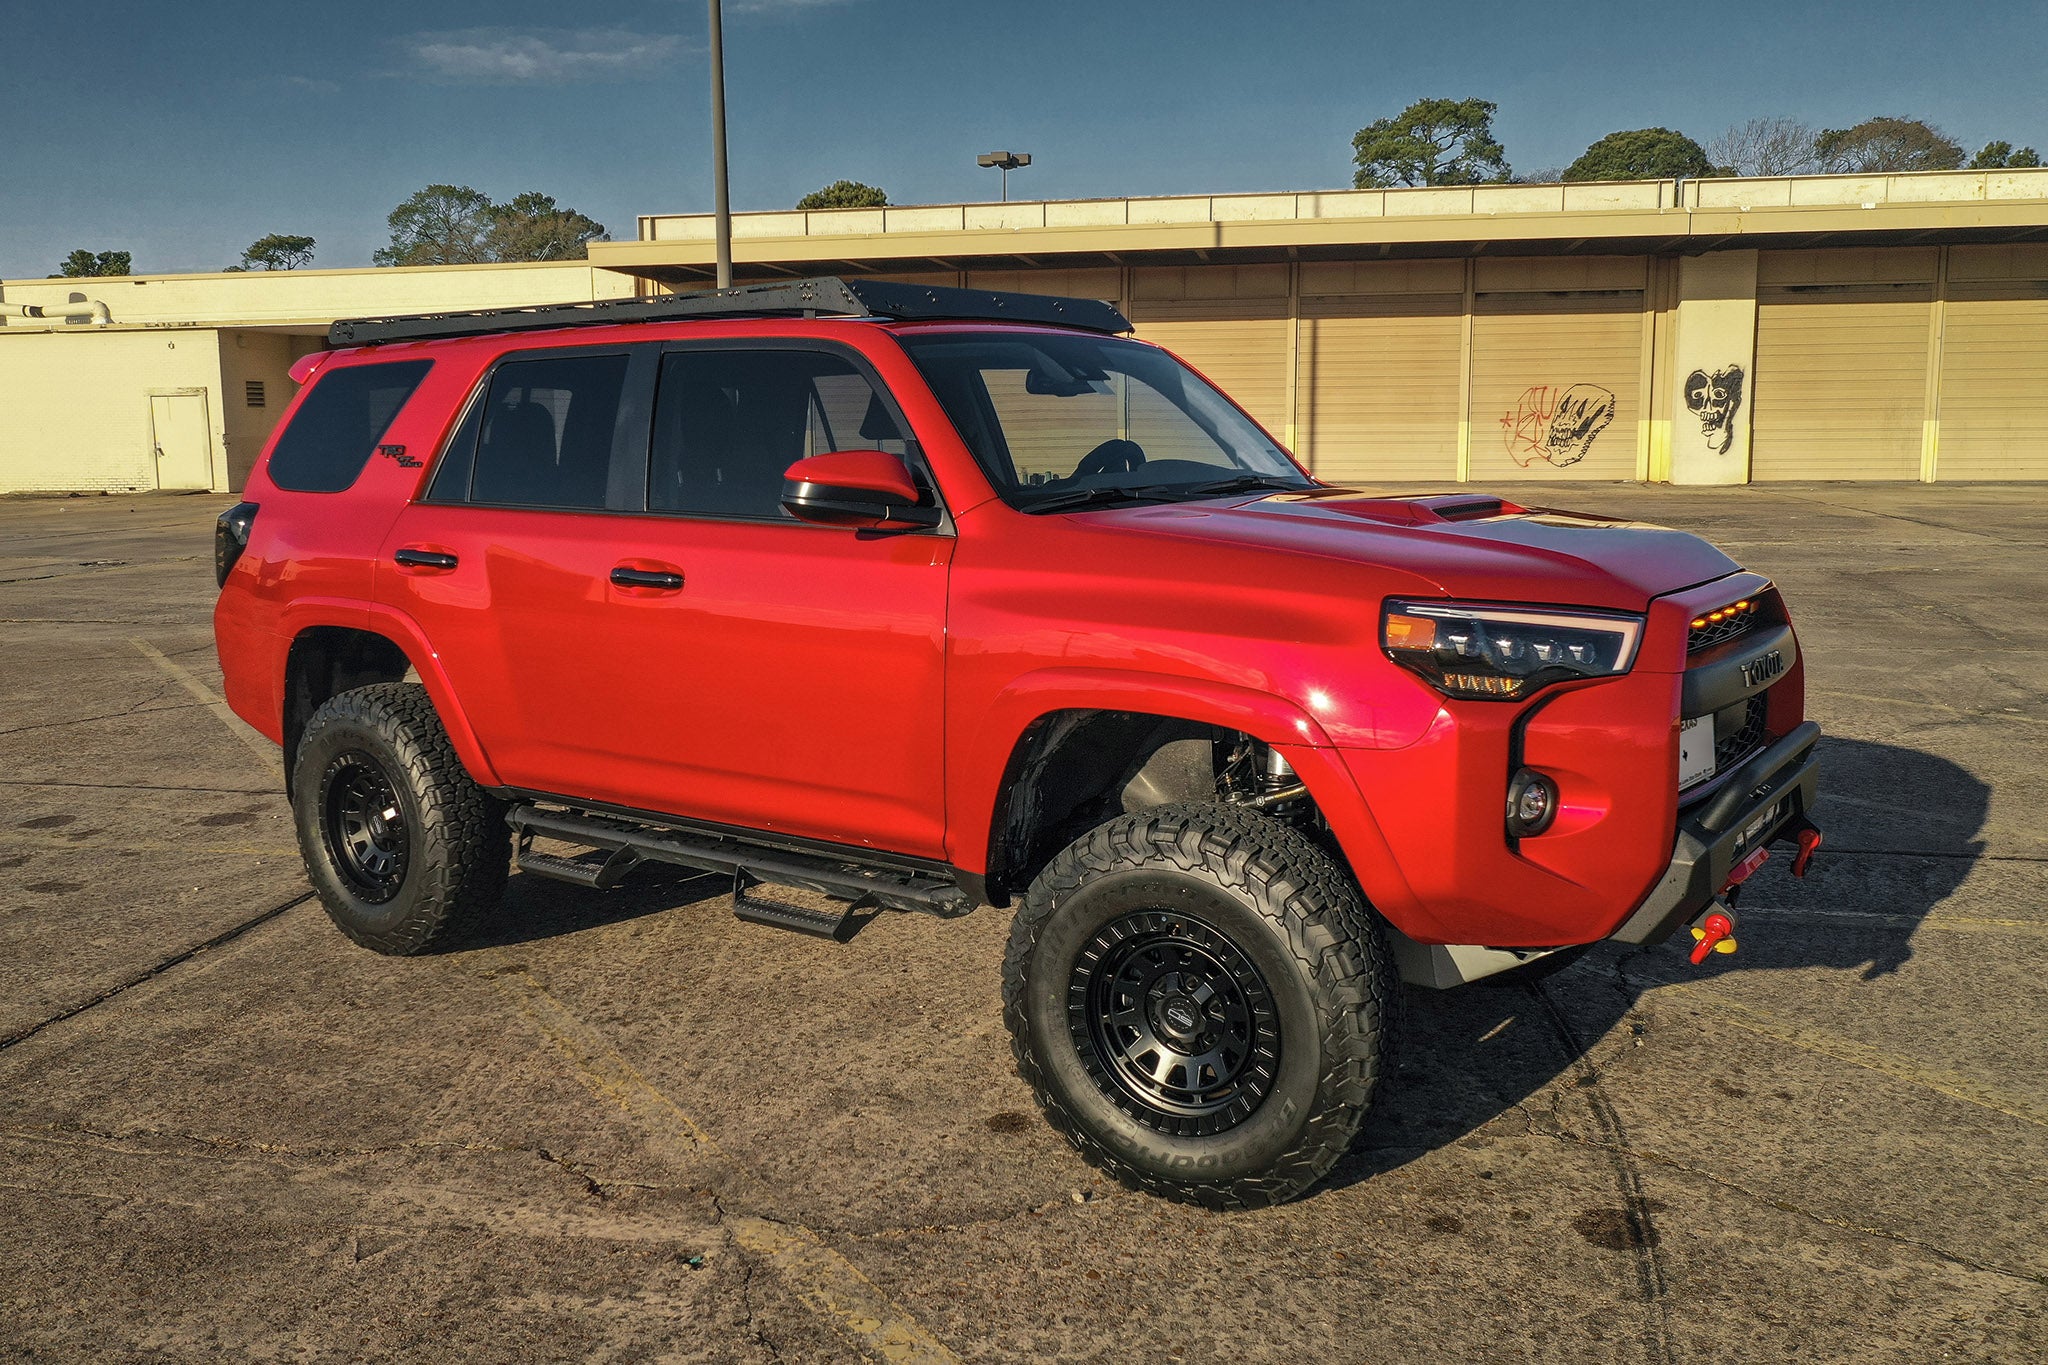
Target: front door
x,y
689,648
184,452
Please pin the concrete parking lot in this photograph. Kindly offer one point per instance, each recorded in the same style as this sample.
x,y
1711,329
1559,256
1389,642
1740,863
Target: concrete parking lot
x,y
630,1128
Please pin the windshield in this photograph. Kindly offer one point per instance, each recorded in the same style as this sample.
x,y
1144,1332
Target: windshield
x,y
1065,420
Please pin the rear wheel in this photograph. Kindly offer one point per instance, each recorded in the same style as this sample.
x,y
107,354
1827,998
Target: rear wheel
x,y
405,850
1200,999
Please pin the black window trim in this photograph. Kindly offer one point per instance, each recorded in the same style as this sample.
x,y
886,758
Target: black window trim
x,y
913,455
625,489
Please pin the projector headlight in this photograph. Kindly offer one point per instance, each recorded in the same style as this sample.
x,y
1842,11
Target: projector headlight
x,y
1506,653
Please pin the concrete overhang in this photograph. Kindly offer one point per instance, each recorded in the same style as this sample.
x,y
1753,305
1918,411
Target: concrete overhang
x,y
1620,218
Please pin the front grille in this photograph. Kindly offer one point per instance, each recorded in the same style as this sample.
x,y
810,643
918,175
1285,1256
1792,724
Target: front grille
x,y
1732,749
1721,625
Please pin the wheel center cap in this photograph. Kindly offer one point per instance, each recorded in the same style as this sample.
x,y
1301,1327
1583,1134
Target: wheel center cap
x,y
1180,1014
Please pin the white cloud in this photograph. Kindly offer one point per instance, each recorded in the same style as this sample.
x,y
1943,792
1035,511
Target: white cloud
x,y
539,56
784,7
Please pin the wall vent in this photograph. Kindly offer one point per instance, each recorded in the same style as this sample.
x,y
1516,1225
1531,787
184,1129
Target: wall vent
x,y
252,391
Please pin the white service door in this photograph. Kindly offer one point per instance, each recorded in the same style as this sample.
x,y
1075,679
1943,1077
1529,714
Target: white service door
x,y
184,455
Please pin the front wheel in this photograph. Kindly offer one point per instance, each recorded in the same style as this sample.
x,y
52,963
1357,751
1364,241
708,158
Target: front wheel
x,y
405,849
1200,999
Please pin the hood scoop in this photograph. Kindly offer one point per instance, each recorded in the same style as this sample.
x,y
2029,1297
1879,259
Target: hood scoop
x,y
1423,509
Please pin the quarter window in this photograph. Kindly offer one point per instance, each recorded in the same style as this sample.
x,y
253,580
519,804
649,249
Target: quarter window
x,y
728,424
549,428
339,423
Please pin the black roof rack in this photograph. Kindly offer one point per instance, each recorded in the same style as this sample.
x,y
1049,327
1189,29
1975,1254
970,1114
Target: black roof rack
x,y
826,296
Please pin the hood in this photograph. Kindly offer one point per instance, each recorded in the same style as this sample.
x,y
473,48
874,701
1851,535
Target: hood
x,y
1468,545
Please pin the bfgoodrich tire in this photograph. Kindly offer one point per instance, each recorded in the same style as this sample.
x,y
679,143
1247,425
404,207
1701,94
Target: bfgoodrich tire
x,y
406,852
1201,1001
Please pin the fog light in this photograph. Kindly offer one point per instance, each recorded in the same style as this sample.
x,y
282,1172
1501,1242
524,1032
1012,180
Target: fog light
x,y
1532,803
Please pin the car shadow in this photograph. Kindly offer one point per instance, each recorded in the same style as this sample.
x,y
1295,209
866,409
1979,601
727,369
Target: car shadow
x,y
1471,1054
539,908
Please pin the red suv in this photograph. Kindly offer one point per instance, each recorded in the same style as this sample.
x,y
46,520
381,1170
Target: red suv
x,y
930,598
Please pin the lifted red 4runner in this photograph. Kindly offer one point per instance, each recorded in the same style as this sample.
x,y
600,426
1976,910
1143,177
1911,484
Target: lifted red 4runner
x,y
931,598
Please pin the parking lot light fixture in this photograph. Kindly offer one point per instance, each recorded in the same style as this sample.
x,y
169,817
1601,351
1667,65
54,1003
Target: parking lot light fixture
x,y
1007,162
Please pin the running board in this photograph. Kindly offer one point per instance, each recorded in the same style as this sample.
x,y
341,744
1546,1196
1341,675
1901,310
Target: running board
x,y
621,845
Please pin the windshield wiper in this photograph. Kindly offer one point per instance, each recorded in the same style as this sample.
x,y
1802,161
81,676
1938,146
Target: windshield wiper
x,y
1091,497
1242,483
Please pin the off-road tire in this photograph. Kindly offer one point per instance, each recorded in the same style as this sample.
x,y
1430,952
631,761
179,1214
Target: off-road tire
x,y
1294,914
456,849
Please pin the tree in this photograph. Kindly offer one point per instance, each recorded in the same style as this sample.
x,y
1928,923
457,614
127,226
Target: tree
x,y
1764,146
82,263
1431,142
533,227
439,225
844,194
1641,154
278,251
1998,155
1887,144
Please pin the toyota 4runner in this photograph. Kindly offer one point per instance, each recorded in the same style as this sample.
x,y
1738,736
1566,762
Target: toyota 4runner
x,y
924,599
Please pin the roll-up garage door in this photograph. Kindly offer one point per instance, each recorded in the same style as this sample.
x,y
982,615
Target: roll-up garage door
x,y
1379,386
1556,384
1241,346
1994,382
1841,381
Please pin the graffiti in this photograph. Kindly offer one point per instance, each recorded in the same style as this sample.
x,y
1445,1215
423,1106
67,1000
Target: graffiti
x,y
1714,399
1556,425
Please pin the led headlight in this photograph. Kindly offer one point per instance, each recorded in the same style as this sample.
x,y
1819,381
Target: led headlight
x,y
1505,653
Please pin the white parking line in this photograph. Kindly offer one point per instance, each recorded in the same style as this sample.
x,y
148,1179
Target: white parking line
x,y
212,701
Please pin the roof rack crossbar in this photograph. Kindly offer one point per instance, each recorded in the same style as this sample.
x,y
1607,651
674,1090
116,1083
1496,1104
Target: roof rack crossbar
x,y
824,296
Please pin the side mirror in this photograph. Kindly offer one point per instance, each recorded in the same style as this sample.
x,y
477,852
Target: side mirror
x,y
864,488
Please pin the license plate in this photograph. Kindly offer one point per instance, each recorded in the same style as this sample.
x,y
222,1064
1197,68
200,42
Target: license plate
x,y
1695,751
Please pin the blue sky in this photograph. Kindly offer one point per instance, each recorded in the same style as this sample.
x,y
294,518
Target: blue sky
x,y
184,131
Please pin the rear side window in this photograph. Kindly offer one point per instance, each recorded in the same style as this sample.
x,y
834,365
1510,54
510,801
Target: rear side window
x,y
548,431
339,424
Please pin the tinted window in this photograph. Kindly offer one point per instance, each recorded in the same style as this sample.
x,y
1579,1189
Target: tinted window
x,y
548,428
727,424
339,424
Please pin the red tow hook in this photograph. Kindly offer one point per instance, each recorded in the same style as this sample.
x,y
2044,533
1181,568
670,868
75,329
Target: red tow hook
x,y
1715,932
1809,844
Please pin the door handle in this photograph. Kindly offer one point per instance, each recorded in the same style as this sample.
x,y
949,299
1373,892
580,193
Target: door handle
x,y
662,580
410,558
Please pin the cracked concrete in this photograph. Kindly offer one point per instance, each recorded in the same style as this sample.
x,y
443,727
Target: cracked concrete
x,y
229,1135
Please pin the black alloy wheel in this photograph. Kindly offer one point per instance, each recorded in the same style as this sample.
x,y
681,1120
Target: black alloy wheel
x,y
1174,1023
364,824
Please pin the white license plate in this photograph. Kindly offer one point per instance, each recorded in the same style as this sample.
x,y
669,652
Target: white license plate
x,y
1695,751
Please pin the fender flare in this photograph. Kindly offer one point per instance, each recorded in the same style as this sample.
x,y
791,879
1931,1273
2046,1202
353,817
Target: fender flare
x,y
993,753
401,630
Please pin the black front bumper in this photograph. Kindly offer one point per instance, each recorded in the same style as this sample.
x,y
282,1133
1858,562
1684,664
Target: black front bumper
x,y
1763,800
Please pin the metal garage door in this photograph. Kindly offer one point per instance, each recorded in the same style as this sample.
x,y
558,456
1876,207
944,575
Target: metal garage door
x,y
1841,381
1379,384
1556,384
1241,345
1994,382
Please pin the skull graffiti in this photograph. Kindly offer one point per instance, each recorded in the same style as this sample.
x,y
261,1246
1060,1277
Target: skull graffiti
x,y
1714,399
1556,426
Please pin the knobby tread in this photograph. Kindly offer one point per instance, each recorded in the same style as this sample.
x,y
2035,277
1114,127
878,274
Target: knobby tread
x,y
462,849
1322,919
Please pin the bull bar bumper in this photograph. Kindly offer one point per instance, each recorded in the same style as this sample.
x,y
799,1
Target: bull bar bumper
x,y
1764,800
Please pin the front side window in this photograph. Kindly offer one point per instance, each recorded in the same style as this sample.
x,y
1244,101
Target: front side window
x,y
729,424
1059,420
338,425
548,430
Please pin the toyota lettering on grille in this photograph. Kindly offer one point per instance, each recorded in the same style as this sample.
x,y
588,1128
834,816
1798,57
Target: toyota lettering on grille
x,y
1762,669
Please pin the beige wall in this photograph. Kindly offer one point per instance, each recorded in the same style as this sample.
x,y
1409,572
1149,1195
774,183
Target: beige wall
x,y
77,406
1713,336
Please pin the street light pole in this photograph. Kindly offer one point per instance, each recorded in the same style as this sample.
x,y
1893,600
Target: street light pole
x,y
721,204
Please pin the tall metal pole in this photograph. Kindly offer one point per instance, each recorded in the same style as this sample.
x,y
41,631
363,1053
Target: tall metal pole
x,y
721,205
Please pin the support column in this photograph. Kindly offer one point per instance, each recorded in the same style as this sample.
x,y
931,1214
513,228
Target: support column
x,y
1713,368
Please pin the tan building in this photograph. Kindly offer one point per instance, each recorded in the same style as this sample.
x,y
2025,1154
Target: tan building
x,y
1717,331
